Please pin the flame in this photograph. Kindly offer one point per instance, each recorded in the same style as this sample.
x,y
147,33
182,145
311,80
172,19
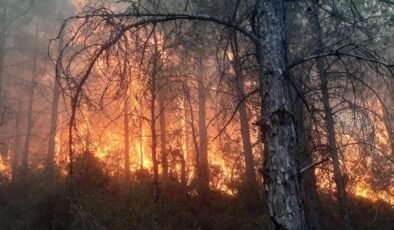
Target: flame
x,y
216,159
110,144
141,145
5,171
359,176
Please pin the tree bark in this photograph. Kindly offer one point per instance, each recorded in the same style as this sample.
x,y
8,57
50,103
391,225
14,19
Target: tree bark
x,y
340,185
281,175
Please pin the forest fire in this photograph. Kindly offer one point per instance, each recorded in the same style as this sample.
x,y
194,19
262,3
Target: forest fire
x,y
109,146
192,114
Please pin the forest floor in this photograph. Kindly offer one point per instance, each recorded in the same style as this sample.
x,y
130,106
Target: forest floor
x,y
100,201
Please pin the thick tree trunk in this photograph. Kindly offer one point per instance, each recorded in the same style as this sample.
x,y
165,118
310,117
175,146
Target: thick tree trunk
x,y
163,133
281,175
126,140
341,190
202,130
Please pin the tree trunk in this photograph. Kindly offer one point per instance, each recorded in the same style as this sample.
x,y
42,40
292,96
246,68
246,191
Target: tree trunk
x,y
54,111
153,128
54,118
310,193
26,146
3,16
163,133
53,129
126,140
186,128
183,168
202,130
141,145
17,142
341,190
153,92
281,175
194,132
186,140
251,195
2,54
